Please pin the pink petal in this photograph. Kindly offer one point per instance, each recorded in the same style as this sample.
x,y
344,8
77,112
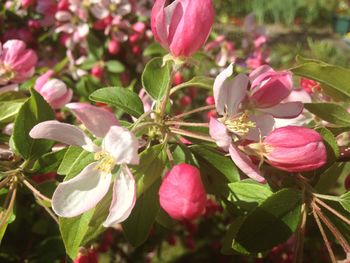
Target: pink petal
x,y
42,79
83,192
218,132
264,125
259,71
63,100
228,94
64,133
92,116
124,198
244,163
286,110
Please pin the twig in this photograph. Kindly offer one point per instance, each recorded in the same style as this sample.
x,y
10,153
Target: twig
x,y
324,236
5,181
336,213
191,134
205,108
35,191
299,248
53,216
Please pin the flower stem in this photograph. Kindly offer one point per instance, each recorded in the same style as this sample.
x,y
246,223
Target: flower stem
x,y
205,108
336,213
324,236
327,197
190,124
35,192
13,191
191,134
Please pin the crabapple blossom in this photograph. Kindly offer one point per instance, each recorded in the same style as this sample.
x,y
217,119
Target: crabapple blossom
x,y
83,192
17,63
182,194
183,26
54,91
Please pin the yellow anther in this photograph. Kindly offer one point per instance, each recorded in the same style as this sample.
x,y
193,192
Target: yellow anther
x,y
6,73
106,162
240,125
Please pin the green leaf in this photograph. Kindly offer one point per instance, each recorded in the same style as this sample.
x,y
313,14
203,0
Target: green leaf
x,y
32,112
329,177
138,225
154,49
115,66
217,171
73,231
228,240
198,81
8,111
336,79
95,46
331,112
270,223
331,144
49,162
248,193
120,98
150,168
345,201
8,221
156,78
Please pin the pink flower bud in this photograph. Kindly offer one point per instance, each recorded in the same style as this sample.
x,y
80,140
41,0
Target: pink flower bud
x,y
182,194
54,91
17,63
269,87
113,47
186,100
97,71
295,149
27,3
183,26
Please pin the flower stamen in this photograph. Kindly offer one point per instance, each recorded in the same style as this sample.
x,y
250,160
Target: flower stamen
x,y
240,125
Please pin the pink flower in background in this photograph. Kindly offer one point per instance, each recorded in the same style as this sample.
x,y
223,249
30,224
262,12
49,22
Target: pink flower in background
x,y
48,9
54,91
295,149
183,26
17,63
84,191
182,194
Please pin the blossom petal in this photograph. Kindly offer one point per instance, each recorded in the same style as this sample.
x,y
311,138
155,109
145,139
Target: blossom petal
x,y
286,110
218,132
229,93
122,145
244,163
64,133
124,198
91,117
83,192
264,125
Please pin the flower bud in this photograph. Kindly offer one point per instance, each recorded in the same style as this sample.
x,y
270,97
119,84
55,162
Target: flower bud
x,y
295,149
183,26
269,87
182,194
113,47
54,91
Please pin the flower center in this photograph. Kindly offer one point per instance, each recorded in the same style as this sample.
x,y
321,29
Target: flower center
x,y
240,125
6,73
106,162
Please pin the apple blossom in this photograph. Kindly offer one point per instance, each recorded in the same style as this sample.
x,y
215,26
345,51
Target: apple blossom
x,y
183,26
182,194
17,63
54,91
83,192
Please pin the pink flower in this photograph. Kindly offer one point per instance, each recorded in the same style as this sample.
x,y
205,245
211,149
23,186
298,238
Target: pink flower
x,y
183,26
182,194
54,91
27,3
17,63
295,149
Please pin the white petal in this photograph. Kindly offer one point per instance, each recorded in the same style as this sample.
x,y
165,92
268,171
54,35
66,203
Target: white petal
x,y
64,133
91,117
229,93
124,198
244,163
122,145
83,192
